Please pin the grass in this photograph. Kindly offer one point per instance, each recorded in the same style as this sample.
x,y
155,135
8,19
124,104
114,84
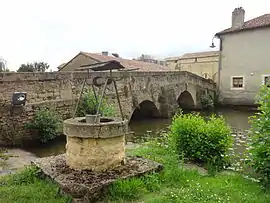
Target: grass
x,y
3,154
177,184
174,184
27,187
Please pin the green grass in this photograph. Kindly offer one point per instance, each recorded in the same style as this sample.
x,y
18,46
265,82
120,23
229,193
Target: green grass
x,y
27,187
174,184
177,184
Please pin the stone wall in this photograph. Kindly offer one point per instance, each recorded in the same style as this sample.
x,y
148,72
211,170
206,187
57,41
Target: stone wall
x,y
43,89
60,90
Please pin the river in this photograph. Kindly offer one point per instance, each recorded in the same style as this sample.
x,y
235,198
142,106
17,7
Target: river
x,y
237,119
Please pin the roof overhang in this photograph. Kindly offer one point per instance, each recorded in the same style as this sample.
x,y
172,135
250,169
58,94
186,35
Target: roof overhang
x,y
224,32
102,66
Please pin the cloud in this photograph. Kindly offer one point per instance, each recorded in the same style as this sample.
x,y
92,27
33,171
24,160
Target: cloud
x,y
54,31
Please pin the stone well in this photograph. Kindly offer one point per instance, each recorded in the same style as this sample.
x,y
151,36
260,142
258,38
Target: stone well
x,y
95,146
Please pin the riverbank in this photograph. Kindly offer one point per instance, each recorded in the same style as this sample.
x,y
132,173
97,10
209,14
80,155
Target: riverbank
x,y
184,183
15,159
176,183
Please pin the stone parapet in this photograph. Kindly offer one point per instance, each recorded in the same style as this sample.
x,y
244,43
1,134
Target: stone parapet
x,y
60,90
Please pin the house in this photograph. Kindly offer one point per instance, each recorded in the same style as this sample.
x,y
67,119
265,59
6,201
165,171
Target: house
x,y
204,64
150,59
172,62
244,58
61,66
84,58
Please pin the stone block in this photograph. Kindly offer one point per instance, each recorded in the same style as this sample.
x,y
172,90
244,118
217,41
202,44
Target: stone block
x,y
95,153
89,186
98,146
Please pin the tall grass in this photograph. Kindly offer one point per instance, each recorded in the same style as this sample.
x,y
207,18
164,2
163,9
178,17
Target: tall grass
x,y
179,184
27,186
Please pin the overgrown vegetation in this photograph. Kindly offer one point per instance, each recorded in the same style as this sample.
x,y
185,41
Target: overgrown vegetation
x,y
260,137
175,183
27,186
89,104
202,141
207,101
46,124
190,137
34,67
178,184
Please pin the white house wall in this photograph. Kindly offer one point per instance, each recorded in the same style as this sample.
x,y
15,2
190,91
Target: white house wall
x,y
244,54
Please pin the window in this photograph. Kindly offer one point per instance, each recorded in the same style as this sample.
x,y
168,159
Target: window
x,y
266,80
238,82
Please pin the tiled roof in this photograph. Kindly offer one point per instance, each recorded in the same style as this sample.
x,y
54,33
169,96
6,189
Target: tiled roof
x,y
199,54
174,58
259,22
195,55
61,66
129,64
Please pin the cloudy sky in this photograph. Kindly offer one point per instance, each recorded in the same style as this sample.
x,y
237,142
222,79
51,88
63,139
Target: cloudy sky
x,y
55,30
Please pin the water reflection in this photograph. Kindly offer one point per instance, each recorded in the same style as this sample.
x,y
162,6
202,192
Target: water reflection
x,y
52,148
235,118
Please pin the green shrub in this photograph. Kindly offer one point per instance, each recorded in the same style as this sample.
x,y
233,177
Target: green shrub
x,y
207,101
202,141
88,105
260,137
47,124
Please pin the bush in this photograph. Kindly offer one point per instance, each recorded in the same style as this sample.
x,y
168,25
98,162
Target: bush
x,y
88,105
202,141
47,124
260,137
207,101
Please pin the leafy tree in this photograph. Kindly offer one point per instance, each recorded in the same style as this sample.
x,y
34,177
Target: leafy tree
x,y
3,67
33,67
40,66
260,137
26,68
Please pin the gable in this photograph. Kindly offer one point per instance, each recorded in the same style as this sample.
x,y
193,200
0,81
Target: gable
x,y
77,61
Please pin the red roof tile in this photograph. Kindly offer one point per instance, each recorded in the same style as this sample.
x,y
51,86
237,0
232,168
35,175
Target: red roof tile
x,y
130,64
259,22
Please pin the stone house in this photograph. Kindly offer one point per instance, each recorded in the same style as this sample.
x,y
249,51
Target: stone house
x,y
150,59
84,58
244,63
204,64
172,62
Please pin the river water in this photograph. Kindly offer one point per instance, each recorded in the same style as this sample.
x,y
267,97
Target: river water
x,y
237,119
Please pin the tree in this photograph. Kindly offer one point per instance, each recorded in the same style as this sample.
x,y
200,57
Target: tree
x,y
26,68
33,67
40,66
3,66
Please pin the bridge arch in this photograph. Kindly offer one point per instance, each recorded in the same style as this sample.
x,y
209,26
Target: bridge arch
x,y
146,109
185,100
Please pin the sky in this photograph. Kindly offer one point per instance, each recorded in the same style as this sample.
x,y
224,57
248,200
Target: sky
x,y
54,31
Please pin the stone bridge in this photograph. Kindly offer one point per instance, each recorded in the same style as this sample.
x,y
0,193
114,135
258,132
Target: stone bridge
x,y
160,94
151,94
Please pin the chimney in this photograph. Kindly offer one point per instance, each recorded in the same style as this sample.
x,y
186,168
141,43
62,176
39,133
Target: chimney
x,y
105,53
238,18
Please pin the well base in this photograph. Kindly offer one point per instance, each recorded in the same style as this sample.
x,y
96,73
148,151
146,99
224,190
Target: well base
x,y
89,186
